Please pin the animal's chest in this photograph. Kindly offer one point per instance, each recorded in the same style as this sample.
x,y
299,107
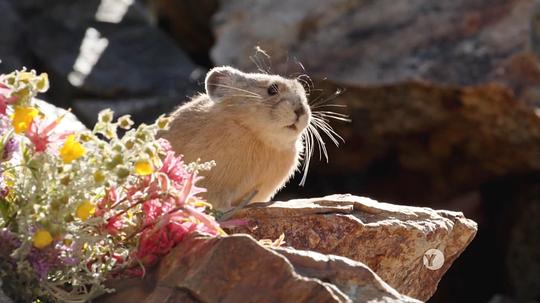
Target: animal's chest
x,y
264,174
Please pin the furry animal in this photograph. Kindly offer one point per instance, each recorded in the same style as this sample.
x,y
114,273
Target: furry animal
x,y
253,125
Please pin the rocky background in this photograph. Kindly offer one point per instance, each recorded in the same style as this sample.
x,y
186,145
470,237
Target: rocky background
x,y
443,97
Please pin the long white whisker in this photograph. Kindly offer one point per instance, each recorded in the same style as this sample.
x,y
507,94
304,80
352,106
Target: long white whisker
x,y
320,143
328,105
308,153
246,96
331,115
327,129
306,85
323,101
313,102
259,61
328,98
236,88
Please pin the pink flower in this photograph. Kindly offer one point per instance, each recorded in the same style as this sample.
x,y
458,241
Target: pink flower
x,y
154,209
106,202
3,105
4,100
40,134
164,144
158,241
165,230
173,167
115,225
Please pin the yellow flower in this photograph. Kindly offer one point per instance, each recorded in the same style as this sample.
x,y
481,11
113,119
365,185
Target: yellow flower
x,y
99,177
42,84
143,167
42,238
85,210
200,203
71,150
26,76
23,117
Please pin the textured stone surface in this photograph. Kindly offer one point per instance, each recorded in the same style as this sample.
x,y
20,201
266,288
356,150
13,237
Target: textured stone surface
x,y
99,50
377,42
354,279
188,23
520,235
238,269
141,109
425,144
432,88
13,53
390,239
135,51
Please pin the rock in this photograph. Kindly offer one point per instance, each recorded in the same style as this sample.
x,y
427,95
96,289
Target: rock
x,y
141,109
523,257
107,50
188,23
500,299
422,142
238,269
13,53
380,42
356,280
436,108
127,54
392,240
515,201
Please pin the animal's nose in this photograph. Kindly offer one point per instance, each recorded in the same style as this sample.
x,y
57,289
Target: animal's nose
x,y
299,112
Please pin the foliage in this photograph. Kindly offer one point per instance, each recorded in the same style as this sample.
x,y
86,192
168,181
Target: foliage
x,y
77,209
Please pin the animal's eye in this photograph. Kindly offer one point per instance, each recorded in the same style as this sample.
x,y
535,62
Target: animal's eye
x,y
273,89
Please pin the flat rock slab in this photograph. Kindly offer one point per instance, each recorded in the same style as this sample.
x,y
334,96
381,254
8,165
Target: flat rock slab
x,y
238,269
391,239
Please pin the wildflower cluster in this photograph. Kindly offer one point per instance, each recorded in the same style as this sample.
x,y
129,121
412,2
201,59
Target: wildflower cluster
x,y
79,208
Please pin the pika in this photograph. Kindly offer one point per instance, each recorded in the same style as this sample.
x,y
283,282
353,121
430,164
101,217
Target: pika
x,y
251,124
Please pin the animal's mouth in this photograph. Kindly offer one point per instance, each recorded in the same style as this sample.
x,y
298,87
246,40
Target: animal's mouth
x,y
292,127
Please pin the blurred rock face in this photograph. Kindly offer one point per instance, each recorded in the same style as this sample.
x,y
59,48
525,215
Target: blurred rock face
x,y
443,98
377,42
100,53
460,128
12,54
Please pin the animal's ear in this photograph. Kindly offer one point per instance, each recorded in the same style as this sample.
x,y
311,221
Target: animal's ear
x,y
219,81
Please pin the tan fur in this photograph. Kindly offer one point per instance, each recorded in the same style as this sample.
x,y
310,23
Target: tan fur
x,y
247,136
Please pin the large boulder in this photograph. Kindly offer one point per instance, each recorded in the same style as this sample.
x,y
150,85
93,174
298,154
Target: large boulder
x,y
13,51
394,241
431,87
422,142
99,53
443,98
188,23
238,269
377,42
